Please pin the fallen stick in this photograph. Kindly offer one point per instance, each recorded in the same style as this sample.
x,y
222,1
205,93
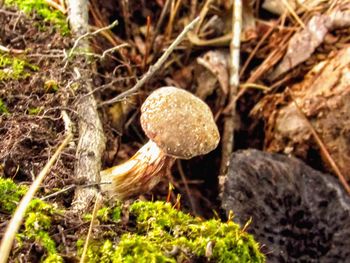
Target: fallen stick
x,y
92,140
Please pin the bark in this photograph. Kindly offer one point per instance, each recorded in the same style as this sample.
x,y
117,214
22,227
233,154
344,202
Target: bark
x,y
91,137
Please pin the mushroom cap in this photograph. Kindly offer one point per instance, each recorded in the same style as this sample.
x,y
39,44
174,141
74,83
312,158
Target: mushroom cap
x,y
181,124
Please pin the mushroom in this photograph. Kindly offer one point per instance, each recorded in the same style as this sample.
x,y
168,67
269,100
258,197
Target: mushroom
x,y
178,125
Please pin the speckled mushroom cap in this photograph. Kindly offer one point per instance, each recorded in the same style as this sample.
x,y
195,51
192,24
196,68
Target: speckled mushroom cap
x,y
181,124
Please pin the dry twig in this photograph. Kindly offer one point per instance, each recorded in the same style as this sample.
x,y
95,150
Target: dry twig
x,y
80,38
229,119
154,68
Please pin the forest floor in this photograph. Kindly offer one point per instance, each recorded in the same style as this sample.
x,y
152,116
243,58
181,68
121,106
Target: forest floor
x,y
279,49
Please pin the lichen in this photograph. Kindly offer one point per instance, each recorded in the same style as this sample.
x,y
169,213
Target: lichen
x,y
44,11
15,68
38,218
164,234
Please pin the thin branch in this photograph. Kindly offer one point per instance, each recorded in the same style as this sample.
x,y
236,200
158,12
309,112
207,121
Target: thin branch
x,y
17,217
229,119
14,51
65,189
101,57
154,68
160,21
115,23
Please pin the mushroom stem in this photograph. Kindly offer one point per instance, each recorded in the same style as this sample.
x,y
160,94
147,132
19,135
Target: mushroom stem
x,y
137,175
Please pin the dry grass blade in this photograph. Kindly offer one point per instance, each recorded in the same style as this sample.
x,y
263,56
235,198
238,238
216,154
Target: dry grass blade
x,y
293,13
94,214
187,189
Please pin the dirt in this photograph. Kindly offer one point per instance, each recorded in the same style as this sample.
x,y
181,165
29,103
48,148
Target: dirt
x,y
34,126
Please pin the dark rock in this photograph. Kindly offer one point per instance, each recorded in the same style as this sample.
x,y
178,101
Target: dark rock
x,y
298,214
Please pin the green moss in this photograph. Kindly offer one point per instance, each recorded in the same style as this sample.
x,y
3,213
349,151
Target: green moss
x,y
14,68
37,219
97,251
3,108
164,234
11,194
107,214
53,258
34,111
116,213
156,233
43,10
38,222
135,248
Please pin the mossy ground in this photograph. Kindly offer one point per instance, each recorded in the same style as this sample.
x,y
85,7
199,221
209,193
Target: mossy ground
x,y
164,234
13,68
143,232
43,10
154,232
37,222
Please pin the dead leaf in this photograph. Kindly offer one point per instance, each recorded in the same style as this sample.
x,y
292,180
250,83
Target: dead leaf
x,y
303,44
216,62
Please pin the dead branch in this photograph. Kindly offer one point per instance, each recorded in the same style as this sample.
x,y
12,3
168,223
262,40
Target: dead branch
x,y
229,119
154,68
91,143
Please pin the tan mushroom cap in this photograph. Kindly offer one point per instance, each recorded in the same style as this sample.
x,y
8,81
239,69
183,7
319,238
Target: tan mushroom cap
x,y
181,124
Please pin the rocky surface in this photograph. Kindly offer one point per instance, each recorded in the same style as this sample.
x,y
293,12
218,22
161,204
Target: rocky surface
x,y
298,214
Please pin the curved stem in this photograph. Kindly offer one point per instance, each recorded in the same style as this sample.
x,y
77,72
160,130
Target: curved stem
x,y
137,175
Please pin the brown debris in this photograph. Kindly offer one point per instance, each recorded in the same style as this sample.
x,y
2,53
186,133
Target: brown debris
x,y
303,44
323,97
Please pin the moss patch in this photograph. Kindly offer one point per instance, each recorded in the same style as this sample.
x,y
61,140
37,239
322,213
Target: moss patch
x,y
43,10
155,232
10,194
38,218
3,107
164,234
15,68
107,214
37,224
